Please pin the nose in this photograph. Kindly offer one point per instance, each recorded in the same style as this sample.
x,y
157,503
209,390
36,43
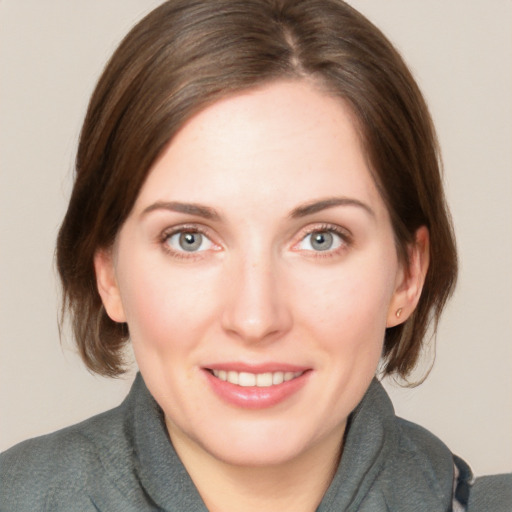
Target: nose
x,y
256,308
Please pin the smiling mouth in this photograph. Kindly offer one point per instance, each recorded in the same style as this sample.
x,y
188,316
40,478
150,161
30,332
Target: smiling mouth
x,y
261,380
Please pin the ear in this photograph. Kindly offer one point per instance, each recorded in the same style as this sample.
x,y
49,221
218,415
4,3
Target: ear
x,y
410,279
107,284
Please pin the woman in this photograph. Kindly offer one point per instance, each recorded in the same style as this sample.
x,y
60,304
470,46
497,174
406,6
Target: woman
x,y
253,210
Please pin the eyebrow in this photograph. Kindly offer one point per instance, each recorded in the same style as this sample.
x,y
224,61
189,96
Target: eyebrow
x,y
300,211
331,202
188,208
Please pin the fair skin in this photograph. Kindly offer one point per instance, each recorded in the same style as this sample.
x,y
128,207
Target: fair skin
x,y
259,249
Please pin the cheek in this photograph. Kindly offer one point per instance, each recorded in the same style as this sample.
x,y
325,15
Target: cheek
x,y
349,304
165,305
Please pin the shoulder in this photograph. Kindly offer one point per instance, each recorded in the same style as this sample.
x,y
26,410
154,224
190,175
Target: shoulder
x,y
420,469
491,493
444,471
412,452
411,465
426,450
62,464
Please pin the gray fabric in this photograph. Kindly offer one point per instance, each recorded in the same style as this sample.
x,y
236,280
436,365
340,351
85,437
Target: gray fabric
x,y
491,493
122,460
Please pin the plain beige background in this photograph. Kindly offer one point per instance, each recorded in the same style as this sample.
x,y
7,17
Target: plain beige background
x,y
461,53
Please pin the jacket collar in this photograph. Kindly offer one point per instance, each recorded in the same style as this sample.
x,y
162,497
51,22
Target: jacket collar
x,y
376,472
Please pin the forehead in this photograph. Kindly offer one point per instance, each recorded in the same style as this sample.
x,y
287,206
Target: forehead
x,y
288,142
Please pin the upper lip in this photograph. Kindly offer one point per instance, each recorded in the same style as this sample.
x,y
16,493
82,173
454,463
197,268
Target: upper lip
x,y
269,367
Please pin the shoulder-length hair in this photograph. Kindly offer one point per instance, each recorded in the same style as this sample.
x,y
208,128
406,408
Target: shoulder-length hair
x,y
187,54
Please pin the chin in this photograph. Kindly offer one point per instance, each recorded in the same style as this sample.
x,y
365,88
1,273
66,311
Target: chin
x,y
260,445
257,454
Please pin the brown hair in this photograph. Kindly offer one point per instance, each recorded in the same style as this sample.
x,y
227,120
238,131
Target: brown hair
x,y
187,54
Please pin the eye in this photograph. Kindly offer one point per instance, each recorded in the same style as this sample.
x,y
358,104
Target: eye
x,y
321,240
188,241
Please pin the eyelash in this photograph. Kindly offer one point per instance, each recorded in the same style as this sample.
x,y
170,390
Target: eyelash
x,y
343,234
187,228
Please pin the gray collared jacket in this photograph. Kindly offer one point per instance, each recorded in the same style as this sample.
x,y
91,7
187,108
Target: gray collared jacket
x,y
123,460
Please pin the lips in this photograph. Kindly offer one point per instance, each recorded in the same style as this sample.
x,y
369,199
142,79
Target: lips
x,y
256,388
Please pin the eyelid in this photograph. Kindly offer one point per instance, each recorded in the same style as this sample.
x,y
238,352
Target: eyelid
x,y
186,228
345,235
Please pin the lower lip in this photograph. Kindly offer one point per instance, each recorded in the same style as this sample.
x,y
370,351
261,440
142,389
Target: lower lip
x,y
254,397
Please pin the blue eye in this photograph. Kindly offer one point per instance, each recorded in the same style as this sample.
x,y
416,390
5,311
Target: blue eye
x,y
325,240
189,241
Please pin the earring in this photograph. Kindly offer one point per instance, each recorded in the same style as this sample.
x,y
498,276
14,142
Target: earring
x,y
398,312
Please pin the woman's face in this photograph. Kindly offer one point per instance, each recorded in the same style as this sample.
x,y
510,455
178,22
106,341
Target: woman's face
x,y
257,273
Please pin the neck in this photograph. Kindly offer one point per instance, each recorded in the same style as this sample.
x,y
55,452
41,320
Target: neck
x,y
296,485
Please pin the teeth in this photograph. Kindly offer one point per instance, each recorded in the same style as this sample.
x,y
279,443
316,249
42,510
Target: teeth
x,y
264,380
288,376
278,378
246,379
232,377
261,380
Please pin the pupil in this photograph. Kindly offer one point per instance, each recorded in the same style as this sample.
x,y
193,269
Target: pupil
x,y
190,241
322,241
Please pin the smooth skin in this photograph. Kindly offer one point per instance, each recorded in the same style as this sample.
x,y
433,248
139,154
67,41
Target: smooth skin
x,y
259,237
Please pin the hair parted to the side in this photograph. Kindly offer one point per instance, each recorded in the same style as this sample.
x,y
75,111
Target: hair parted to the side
x,y
187,54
